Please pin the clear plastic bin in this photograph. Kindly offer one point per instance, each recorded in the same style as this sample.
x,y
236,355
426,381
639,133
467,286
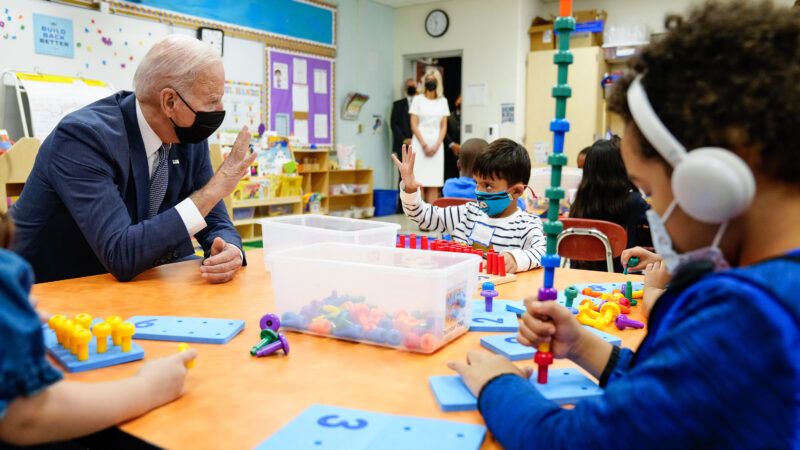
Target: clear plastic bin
x,y
287,232
406,299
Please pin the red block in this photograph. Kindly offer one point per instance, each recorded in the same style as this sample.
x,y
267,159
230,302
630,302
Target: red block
x,y
412,241
402,243
501,265
425,242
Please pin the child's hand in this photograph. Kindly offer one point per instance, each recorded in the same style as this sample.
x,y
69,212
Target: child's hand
x,y
645,258
511,263
656,279
482,366
165,377
549,322
406,168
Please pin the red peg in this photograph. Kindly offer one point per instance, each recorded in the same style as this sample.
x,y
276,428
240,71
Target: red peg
x,y
542,360
402,243
491,263
412,241
425,242
501,265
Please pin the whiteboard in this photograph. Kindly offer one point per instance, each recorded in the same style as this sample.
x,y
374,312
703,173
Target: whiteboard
x,y
108,47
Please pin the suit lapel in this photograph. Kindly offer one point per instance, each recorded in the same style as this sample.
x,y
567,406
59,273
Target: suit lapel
x,y
141,177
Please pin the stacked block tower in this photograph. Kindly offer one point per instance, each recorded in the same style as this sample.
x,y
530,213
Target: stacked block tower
x,y
563,26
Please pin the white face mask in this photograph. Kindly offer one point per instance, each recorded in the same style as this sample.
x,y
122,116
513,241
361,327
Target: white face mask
x,y
674,260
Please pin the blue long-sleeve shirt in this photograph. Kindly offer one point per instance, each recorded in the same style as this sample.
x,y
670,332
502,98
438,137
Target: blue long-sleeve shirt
x,y
720,368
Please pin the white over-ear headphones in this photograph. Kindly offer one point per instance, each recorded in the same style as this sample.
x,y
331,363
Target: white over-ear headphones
x,y
710,184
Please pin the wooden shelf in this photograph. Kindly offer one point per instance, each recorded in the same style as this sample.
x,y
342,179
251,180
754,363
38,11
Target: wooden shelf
x,y
252,221
349,195
311,171
350,170
261,202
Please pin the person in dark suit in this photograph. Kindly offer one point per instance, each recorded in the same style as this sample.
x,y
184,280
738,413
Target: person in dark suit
x,y
123,184
401,120
452,141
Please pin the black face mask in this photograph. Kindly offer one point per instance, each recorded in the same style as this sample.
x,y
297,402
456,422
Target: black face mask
x,y
430,85
411,90
204,125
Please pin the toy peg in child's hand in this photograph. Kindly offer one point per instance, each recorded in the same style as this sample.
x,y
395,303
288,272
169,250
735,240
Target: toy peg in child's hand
x,y
183,347
632,262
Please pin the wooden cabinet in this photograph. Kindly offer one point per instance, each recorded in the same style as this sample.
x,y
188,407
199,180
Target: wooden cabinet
x,y
585,109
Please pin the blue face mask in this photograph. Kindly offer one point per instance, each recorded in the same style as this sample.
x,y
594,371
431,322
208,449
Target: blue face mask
x,y
493,203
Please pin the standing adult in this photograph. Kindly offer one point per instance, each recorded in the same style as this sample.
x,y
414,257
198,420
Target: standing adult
x,y
453,141
429,113
123,184
400,120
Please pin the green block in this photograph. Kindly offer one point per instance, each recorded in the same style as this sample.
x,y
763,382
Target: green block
x,y
563,58
564,24
553,227
557,160
570,293
552,211
561,108
554,193
562,91
552,246
555,175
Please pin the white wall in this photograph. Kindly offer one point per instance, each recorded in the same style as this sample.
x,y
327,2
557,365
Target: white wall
x,y
493,39
365,37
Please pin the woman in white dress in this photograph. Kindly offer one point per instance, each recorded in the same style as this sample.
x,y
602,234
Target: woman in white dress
x,y
429,113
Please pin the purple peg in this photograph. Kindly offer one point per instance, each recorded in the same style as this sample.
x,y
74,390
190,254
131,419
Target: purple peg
x,y
280,344
488,293
270,321
547,294
623,321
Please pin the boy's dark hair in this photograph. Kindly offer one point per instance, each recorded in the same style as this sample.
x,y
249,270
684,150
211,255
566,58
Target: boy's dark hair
x,y
726,76
470,150
6,229
504,159
605,187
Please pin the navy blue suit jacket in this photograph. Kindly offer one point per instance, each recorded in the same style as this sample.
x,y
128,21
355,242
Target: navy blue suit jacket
x,y
83,210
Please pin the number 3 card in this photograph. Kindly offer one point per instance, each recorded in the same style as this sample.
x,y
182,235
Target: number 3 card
x,y
333,428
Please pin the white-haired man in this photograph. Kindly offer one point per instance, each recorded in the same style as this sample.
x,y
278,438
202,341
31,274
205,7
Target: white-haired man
x,y
123,184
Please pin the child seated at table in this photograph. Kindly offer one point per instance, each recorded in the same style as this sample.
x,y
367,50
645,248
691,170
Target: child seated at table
x,y
36,404
494,221
464,186
710,114
606,193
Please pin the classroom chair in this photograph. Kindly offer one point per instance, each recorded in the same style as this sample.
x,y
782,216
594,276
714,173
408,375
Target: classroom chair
x,y
444,202
591,240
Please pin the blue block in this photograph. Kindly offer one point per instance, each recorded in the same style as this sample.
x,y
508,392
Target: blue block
x,y
479,306
70,363
186,329
564,386
516,306
334,428
507,345
499,320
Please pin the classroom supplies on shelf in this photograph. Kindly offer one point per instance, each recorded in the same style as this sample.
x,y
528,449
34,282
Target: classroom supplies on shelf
x,y
398,298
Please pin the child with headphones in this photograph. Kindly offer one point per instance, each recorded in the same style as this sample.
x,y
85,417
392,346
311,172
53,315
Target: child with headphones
x,y
711,135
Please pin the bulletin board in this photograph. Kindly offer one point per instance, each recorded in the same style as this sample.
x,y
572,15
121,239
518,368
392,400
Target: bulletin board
x,y
301,96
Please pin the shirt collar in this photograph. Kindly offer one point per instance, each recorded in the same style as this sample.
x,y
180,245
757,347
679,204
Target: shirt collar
x,y
151,140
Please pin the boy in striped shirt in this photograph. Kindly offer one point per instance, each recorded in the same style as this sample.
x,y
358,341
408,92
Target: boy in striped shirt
x,y
494,221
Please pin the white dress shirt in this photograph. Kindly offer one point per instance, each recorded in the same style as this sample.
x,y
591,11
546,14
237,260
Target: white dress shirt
x,y
188,211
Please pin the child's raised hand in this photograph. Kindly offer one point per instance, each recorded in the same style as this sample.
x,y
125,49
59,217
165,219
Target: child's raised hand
x,y
165,377
549,322
645,257
406,168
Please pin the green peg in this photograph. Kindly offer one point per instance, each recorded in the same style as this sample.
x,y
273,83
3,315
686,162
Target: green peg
x,y
267,337
570,293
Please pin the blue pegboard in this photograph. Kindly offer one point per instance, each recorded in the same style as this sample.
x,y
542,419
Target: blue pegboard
x,y
70,363
186,329
334,428
499,320
518,306
497,305
564,386
507,345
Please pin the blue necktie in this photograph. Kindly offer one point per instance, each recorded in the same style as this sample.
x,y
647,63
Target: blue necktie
x,y
159,181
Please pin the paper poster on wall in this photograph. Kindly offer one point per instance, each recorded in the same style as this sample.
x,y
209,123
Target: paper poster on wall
x,y
506,113
282,125
299,98
300,71
243,106
320,81
280,76
321,126
53,36
475,94
541,150
301,131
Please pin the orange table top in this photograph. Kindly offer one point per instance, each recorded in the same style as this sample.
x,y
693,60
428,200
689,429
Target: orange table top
x,y
234,400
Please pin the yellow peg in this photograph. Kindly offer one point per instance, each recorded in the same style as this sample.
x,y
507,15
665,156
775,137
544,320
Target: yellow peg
x,y
126,330
73,340
54,322
81,338
182,347
67,327
85,320
101,331
114,321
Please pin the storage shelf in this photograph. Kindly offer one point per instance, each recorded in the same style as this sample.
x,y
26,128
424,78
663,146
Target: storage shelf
x,y
262,202
349,195
350,170
311,171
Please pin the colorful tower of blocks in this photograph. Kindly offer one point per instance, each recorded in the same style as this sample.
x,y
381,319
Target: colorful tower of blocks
x,y
563,25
